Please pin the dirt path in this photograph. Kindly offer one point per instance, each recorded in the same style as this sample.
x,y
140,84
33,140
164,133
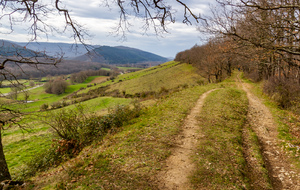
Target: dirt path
x,y
282,173
178,165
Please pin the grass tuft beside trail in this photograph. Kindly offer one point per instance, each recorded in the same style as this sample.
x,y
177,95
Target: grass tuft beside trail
x,y
219,156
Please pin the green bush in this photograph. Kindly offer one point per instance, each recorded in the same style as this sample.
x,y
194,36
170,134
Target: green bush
x,y
75,129
120,115
57,86
55,105
44,107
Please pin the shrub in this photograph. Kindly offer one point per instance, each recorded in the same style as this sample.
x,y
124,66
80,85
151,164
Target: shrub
x,y
64,103
184,86
31,83
201,82
75,129
163,91
285,92
56,105
44,107
57,86
120,115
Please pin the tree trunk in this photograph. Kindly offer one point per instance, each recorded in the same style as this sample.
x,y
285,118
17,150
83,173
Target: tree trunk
x,y
229,67
4,173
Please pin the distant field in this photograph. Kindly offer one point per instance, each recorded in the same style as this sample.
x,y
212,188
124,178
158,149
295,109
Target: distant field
x,y
21,81
40,97
4,90
98,79
24,82
90,79
127,68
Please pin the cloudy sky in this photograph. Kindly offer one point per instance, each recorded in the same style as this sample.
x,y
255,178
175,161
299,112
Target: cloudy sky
x,y
101,21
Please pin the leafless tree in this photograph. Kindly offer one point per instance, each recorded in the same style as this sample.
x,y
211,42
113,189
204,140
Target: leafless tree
x,y
270,25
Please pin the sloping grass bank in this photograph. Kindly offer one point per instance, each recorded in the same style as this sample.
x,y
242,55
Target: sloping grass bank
x,y
158,79
21,146
130,158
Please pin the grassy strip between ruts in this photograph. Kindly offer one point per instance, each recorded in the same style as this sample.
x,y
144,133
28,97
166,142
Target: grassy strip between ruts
x,y
219,159
130,158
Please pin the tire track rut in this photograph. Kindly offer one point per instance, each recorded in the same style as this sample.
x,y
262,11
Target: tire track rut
x,y
282,173
179,165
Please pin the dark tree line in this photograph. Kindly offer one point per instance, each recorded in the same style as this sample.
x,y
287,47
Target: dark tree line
x,y
214,60
65,67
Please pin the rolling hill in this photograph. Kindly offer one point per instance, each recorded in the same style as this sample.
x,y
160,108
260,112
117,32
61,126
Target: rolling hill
x,y
120,55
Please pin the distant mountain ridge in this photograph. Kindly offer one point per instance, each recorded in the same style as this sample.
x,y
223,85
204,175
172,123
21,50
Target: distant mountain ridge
x,y
79,52
8,49
69,51
120,55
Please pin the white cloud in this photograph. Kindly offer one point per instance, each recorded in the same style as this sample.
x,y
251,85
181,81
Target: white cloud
x,y
100,21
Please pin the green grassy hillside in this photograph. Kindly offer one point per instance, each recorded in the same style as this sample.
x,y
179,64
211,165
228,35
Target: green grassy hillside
x,y
132,155
15,139
168,76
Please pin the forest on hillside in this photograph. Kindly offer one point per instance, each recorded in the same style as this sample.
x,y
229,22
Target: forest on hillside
x,y
64,67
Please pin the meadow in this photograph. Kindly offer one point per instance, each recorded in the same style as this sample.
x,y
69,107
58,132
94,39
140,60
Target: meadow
x,y
20,144
131,155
